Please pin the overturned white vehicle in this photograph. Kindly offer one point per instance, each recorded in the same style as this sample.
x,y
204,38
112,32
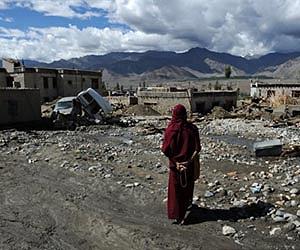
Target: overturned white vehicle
x,y
94,104
87,107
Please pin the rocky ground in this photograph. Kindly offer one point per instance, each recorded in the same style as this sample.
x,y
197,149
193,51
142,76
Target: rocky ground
x,y
104,187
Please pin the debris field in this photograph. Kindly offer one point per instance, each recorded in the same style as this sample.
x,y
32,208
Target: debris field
x,y
105,187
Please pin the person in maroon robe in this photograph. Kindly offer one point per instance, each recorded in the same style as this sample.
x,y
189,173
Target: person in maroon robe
x,y
181,143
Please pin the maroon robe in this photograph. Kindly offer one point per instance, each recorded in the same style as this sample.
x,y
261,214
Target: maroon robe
x,y
181,139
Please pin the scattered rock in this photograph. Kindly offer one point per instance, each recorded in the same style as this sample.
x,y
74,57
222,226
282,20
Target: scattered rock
x,y
256,188
294,203
289,227
148,177
227,230
141,110
208,194
294,191
275,231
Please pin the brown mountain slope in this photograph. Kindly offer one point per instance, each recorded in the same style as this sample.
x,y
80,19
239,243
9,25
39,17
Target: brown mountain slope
x,y
289,69
168,73
219,68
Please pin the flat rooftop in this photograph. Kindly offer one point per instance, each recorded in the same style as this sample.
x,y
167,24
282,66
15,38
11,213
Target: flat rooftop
x,y
275,85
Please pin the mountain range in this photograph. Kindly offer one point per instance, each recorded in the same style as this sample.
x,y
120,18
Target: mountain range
x,y
193,64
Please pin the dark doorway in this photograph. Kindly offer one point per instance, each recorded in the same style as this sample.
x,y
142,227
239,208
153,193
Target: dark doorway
x,y
214,104
9,81
228,105
54,82
95,83
200,107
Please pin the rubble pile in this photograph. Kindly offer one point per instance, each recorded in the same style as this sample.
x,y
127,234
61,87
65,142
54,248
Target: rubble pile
x,y
220,113
141,110
115,177
276,101
278,113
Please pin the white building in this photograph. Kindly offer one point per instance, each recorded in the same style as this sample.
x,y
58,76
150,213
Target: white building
x,y
261,89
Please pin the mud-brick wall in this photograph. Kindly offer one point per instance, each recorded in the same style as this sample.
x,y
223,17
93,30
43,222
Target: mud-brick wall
x,y
123,100
19,106
163,102
204,102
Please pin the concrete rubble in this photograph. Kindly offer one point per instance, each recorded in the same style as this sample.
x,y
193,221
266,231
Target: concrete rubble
x,y
110,181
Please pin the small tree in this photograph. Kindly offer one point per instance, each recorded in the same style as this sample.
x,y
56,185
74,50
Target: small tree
x,y
229,86
298,75
217,86
227,71
117,87
209,86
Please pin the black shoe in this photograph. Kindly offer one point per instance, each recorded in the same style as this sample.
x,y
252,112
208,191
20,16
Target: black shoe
x,y
178,222
192,206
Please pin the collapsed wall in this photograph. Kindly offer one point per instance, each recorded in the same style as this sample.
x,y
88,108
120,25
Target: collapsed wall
x,y
163,99
163,102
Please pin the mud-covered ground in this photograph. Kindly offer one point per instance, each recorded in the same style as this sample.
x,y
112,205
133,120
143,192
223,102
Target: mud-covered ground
x,y
104,187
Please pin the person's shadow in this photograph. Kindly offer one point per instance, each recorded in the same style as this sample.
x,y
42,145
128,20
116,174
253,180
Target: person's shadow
x,y
255,210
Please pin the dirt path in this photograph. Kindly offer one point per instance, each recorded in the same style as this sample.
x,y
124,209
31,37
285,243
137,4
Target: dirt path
x,y
50,208
65,190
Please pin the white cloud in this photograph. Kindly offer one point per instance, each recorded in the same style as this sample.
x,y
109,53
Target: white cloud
x,y
11,33
241,27
54,43
63,8
6,19
3,4
237,26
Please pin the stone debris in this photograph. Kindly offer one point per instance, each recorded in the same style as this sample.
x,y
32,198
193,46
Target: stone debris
x,y
256,188
268,148
294,191
234,184
227,230
208,194
148,177
141,110
220,113
275,231
289,227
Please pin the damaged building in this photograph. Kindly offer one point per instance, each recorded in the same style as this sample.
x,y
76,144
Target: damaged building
x,y
163,99
52,83
264,90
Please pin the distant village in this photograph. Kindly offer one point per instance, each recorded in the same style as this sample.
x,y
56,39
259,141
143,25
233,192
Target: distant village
x,y
24,89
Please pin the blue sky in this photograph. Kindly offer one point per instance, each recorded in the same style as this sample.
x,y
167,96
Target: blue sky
x,y
48,30
22,18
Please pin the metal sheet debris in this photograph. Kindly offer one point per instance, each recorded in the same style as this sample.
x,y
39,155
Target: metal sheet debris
x,y
268,148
